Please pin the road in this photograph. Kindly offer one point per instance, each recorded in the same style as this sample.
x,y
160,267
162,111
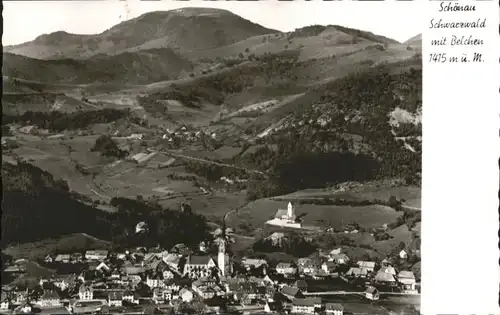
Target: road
x,y
91,185
187,157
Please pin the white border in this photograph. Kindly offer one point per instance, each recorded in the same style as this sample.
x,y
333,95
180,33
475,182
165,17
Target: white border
x,y
461,148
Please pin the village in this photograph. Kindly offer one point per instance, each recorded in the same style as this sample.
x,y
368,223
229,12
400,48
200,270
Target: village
x,y
197,280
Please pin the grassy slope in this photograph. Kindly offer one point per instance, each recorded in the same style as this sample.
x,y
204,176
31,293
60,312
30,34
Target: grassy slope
x,y
256,213
64,244
141,67
187,29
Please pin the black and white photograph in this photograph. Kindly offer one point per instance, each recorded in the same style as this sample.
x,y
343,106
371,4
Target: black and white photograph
x,y
211,157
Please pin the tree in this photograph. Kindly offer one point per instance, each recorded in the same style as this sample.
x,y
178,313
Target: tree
x,y
107,147
394,203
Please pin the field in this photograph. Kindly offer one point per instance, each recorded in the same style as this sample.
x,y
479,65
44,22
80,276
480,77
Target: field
x,y
130,179
386,304
256,213
369,192
65,244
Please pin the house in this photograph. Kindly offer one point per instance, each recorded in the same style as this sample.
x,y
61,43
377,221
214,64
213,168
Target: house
x,y
268,281
115,274
98,255
50,298
250,263
64,282
161,295
121,256
85,293
4,301
335,251
372,293
368,265
385,262
291,293
388,269
205,288
407,281
155,281
135,136
329,267
115,298
286,269
199,266
103,267
306,306
385,277
306,266
62,258
49,259
403,254
334,309
357,272
186,295
76,258
131,269
159,266
130,297
339,258
266,291
172,286
246,291
172,260
27,129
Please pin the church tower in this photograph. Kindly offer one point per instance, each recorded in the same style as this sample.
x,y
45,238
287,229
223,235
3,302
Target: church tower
x,y
221,257
290,213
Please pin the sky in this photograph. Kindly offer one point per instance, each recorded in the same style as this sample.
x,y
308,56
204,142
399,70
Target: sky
x,y
25,20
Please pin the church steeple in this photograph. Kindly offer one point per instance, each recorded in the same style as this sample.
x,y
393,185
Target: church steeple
x,y
221,257
290,213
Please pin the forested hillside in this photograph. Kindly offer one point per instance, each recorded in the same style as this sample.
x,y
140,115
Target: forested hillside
x,y
346,135
32,196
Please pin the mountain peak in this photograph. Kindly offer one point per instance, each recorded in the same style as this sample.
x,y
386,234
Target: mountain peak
x,y
185,29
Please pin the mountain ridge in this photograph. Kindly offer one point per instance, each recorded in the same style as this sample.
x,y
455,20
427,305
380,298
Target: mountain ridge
x,y
207,28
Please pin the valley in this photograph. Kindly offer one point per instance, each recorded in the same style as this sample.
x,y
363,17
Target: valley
x,y
133,124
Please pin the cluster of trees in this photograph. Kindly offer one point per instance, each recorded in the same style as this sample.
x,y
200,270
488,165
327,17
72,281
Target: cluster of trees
x,y
410,218
59,121
392,202
315,155
214,172
294,244
181,227
295,165
37,206
108,147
